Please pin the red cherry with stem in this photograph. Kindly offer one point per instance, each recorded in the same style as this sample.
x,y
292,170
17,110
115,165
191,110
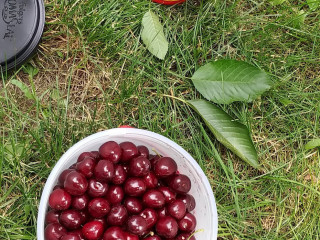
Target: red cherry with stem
x,y
76,183
92,230
98,207
133,205
60,199
115,194
139,166
117,215
167,227
71,219
150,180
96,188
179,183
129,151
110,151
165,167
154,199
80,202
114,233
104,171
134,186
52,217
136,225
188,223
120,175
177,209
86,166
169,195
143,151
150,215
54,231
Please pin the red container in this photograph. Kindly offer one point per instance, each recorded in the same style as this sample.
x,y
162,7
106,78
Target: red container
x,y
169,2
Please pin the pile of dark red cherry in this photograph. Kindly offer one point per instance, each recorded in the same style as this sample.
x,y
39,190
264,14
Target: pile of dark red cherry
x,y
121,193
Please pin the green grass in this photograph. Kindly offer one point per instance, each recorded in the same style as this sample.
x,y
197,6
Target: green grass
x,y
95,74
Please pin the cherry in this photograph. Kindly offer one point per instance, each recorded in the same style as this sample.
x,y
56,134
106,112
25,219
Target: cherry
x,y
177,209
129,236
104,171
150,180
54,231
143,151
84,216
129,151
71,219
154,159
95,155
185,236
154,237
115,194
180,183
63,176
110,151
150,215
84,155
117,215
139,166
167,227
86,166
120,175
102,220
169,195
162,212
188,200
133,205
60,199
98,207
165,167
154,199
136,225
188,223
76,183
114,233
134,186
52,217
96,188
92,230
70,236
78,233
80,202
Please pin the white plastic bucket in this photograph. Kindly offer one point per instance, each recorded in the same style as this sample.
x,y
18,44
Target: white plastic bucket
x,y
205,211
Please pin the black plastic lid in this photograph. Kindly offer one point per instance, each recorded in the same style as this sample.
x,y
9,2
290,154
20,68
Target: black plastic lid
x,y
21,28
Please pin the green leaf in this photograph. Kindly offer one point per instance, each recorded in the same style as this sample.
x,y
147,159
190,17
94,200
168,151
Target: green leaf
x,y
24,88
226,81
312,144
313,4
153,36
230,133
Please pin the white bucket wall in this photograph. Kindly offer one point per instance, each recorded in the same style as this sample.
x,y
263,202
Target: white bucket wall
x,y
205,211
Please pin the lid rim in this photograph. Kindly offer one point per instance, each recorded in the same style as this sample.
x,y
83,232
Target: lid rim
x,y
32,45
